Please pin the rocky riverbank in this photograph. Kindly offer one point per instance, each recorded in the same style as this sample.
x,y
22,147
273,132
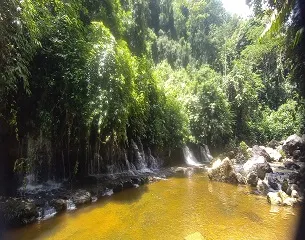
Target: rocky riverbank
x,y
48,200
276,170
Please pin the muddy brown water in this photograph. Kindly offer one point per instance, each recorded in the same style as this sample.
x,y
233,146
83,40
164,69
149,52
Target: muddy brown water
x,y
171,209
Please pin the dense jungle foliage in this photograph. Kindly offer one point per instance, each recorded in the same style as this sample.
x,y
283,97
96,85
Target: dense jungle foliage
x,y
74,72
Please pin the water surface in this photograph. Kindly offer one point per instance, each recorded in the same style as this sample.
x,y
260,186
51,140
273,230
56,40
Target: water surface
x,y
171,209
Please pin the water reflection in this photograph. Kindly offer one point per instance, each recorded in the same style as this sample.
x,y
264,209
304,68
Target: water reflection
x,y
130,195
169,210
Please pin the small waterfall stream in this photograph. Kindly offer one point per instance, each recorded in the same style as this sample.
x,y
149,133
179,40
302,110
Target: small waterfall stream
x,y
189,157
205,154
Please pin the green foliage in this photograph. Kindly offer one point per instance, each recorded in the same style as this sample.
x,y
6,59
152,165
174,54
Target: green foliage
x,y
210,115
283,122
283,154
86,73
243,148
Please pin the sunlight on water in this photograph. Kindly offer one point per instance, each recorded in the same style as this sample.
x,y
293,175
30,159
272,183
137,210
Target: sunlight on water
x,y
172,209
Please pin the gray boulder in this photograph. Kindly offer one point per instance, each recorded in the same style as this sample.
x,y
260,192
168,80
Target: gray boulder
x,y
223,171
294,178
292,143
296,154
295,194
291,165
258,165
274,199
252,179
292,187
17,212
81,197
262,187
274,154
59,205
259,151
272,182
281,198
241,179
262,169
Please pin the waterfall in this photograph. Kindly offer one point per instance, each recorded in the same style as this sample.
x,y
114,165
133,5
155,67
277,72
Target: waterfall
x,y
189,157
153,163
205,154
139,161
32,187
139,157
130,166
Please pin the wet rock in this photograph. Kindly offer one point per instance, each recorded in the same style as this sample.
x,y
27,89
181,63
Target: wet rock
x,y
118,188
262,169
127,184
258,151
274,199
281,198
274,154
252,179
256,165
40,202
241,179
294,178
273,184
290,202
291,165
17,212
59,205
223,171
292,143
145,180
292,187
273,180
240,158
183,170
296,154
286,200
295,194
250,165
137,181
262,187
81,197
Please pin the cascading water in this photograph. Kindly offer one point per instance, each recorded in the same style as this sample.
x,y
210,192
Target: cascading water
x,y
130,167
139,161
139,157
189,157
205,154
153,162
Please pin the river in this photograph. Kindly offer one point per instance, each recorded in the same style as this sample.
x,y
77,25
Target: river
x,y
171,209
